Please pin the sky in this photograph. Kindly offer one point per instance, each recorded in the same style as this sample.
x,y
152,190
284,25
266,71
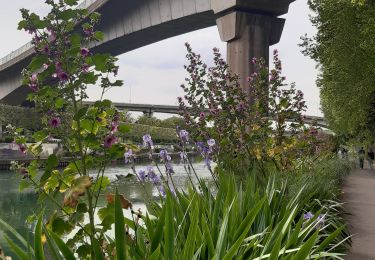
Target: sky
x,y
153,74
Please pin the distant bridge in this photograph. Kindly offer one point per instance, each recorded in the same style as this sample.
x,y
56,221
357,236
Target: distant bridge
x,y
149,110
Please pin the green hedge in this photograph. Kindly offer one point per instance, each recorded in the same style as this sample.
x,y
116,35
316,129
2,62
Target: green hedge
x,y
26,118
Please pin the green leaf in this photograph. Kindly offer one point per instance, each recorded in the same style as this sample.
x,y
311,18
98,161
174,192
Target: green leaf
x,y
98,251
305,250
75,40
38,245
6,227
119,229
71,2
68,14
40,135
244,228
155,254
16,249
52,245
124,129
52,161
329,239
169,230
37,62
81,113
100,61
22,24
220,244
189,247
59,103
99,36
64,249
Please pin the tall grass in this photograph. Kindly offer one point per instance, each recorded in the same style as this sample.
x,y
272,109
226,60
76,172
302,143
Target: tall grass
x,y
239,221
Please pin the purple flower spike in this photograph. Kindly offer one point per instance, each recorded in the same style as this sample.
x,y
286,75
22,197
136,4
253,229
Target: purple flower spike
x,y
308,216
142,175
85,52
184,135
110,140
129,156
147,141
54,122
162,191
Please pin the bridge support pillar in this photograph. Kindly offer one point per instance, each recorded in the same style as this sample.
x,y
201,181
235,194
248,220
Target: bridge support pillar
x,y
248,35
148,113
1,130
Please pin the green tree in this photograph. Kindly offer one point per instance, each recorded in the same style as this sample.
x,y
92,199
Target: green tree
x,y
343,48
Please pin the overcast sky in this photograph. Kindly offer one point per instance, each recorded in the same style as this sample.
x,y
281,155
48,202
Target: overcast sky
x,y
153,74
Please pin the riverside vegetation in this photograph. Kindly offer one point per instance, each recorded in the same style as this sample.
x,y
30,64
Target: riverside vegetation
x,y
265,199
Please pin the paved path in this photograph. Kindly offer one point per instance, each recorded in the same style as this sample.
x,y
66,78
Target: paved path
x,y
359,196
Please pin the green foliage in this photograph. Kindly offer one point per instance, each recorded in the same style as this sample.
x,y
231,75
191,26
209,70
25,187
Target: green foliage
x,y
343,47
20,117
249,125
241,221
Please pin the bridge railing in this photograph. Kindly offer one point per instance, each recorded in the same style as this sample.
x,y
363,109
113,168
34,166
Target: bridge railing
x,y
26,47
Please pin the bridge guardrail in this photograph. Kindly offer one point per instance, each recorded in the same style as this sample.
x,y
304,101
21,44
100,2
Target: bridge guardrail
x,y
27,46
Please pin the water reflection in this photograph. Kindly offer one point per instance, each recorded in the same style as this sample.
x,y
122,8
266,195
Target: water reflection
x,y
16,206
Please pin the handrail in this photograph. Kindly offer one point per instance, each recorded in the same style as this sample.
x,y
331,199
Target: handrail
x,y
28,46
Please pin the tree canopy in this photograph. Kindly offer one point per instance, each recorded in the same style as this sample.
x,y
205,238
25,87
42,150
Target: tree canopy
x,y
344,50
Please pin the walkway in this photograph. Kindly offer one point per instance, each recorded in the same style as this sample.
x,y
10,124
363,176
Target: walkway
x,y
359,196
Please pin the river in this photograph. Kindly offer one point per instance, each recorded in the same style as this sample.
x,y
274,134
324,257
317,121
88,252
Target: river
x,y
16,206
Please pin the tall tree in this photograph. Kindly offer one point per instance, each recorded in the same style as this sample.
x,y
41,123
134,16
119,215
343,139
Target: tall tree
x,y
344,50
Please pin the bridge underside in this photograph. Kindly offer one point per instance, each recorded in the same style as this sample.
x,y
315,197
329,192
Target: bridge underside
x,y
129,24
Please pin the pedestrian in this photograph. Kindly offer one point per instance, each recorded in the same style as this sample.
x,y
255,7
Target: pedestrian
x,y
370,158
361,157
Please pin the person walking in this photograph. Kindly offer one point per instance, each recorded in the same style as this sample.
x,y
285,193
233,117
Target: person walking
x,y
370,158
361,157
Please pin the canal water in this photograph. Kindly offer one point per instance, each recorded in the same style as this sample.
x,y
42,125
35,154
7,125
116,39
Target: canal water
x,y
16,206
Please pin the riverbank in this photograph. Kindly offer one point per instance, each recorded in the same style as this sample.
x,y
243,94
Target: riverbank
x,y
5,163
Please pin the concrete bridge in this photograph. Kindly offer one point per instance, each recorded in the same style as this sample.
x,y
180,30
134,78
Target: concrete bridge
x,y
248,26
149,110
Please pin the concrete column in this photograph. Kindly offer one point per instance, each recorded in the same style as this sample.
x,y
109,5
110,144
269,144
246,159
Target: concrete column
x,y
1,130
248,35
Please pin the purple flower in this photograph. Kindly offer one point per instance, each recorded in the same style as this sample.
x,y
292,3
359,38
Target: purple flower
x,y
152,176
45,66
45,49
211,142
147,141
52,37
85,67
128,156
88,32
202,115
240,106
142,175
254,61
308,216
114,126
162,191
183,157
34,86
184,135
109,140
85,52
54,122
63,76
22,148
